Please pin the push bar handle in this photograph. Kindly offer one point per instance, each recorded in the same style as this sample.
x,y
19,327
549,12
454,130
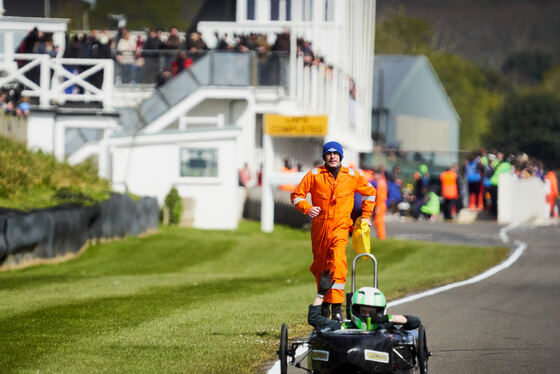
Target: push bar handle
x,y
372,257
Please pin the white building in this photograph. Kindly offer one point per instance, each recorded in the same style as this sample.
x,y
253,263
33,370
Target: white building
x,y
199,128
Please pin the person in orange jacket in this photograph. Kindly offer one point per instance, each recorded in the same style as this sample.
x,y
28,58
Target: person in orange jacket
x,y
381,204
449,191
332,187
287,169
552,195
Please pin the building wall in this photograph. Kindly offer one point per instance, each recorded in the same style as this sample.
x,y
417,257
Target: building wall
x,y
153,168
420,133
236,112
421,95
422,117
13,127
40,131
48,131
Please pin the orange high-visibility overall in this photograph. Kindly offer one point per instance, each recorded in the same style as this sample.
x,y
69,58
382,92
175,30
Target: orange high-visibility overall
x,y
287,187
553,194
449,189
381,208
329,231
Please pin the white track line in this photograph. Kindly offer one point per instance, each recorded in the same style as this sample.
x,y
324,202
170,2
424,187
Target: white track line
x,y
519,249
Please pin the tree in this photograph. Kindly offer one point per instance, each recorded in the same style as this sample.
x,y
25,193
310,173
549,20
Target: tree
x,y
474,93
142,14
529,123
174,205
528,66
551,80
400,34
74,11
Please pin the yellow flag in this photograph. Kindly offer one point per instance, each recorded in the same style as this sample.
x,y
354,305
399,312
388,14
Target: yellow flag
x,y
360,237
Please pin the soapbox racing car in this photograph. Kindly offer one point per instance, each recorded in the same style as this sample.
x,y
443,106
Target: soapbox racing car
x,y
356,351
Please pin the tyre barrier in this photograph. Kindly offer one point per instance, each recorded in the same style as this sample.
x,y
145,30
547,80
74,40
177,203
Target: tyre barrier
x,y
51,232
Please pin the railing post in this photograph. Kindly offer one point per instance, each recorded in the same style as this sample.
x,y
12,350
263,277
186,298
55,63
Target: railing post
x,y
212,67
103,158
293,60
44,82
253,69
267,197
108,76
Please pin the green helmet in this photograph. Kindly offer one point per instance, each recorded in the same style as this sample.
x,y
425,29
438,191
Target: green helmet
x,y
368,296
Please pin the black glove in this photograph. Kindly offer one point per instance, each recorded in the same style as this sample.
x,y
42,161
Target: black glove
x,y
325,282
379,318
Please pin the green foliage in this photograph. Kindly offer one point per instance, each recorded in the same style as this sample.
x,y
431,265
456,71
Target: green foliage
x,y
31,179
551,80
400,34
469,91
191,301
74,11
530,123
145,13
528,64
473,92
174,205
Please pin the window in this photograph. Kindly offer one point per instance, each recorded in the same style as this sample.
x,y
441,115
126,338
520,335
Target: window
x,y
329,10
199,162
274,10
251,9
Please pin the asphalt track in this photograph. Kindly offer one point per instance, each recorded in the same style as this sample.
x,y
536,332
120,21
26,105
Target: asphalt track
x,y
505,323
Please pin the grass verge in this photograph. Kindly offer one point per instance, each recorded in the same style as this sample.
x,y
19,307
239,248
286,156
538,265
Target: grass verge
x,y
187,300
34,179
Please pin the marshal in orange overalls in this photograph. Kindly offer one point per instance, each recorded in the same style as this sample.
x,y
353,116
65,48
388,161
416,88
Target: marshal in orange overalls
x,y
553,193
329,231
381,208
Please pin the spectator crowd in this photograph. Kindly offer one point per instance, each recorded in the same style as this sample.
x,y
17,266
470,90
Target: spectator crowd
x,y
156,56
12,101
474,185
425,195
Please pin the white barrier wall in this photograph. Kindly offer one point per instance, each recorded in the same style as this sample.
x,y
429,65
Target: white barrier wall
x,y
521,200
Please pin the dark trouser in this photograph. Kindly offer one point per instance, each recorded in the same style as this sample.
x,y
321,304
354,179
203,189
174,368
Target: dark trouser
x,y
494,199
326,309
448,205
415,208
474,193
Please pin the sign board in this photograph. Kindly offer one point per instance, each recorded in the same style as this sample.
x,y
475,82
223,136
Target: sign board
x,y
279,125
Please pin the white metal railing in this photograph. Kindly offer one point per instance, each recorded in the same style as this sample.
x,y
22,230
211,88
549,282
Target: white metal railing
x,y
320,89
60,79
